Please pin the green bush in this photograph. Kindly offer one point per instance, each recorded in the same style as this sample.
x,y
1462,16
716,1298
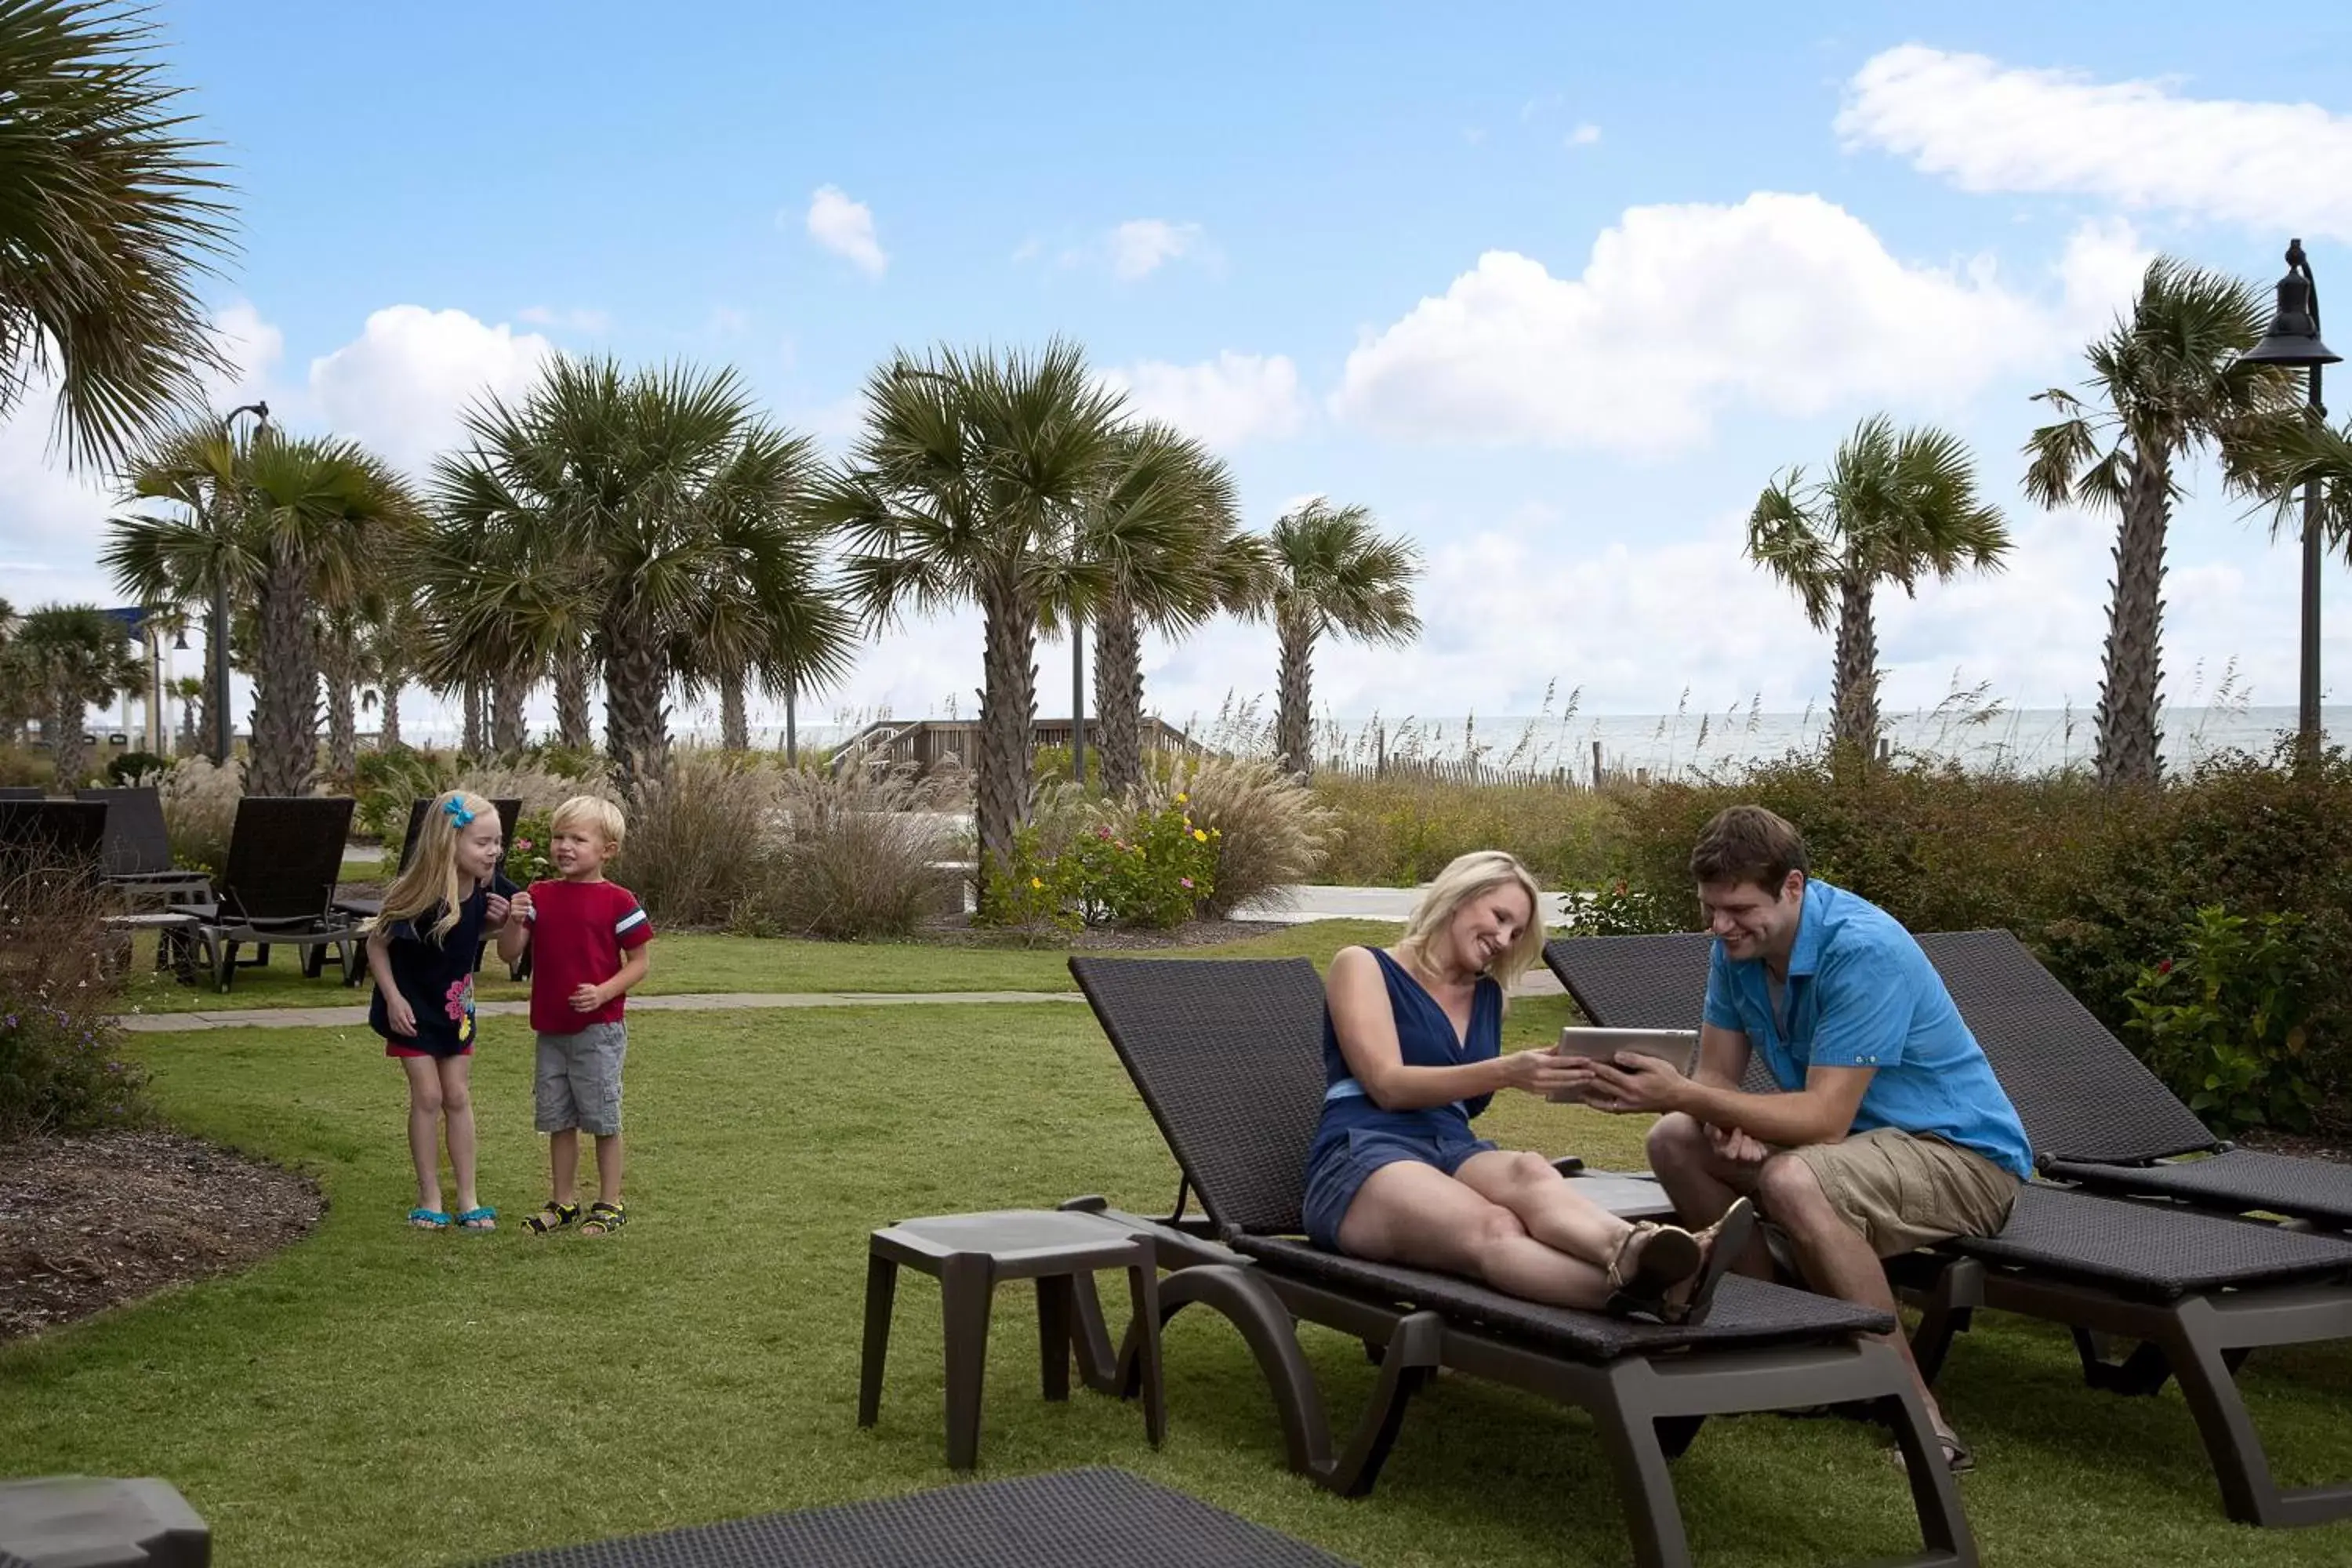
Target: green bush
x,y
528,854
863,853
22,767
1401,830
60,1071
132,769
387,780
1270,832
2224,1022
1148,865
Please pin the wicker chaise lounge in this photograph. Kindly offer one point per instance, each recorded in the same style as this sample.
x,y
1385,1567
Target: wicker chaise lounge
x,y
1228,1057
278,888
2198,1291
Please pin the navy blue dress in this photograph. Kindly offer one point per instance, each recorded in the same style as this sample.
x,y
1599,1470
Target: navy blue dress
x,y
1356,1137
437,976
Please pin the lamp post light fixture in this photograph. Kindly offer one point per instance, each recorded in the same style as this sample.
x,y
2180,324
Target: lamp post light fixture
x,y
216,630
2294,341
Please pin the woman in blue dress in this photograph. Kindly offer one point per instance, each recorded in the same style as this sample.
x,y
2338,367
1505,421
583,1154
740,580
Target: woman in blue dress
x,y
1413,1051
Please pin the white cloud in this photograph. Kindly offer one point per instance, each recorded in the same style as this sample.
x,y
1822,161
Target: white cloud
x,y
1785,303
847,228
1224,402
2278,167
1584,135
579,319
400,385
1139,245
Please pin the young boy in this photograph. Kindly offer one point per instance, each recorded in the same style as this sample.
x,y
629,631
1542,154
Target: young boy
x,y
589,940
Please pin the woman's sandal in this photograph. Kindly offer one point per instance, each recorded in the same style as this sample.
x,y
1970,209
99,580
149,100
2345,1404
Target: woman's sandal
x,y
478,1218
1721,1243
1668,1255
603,1219
421,1218
553,1217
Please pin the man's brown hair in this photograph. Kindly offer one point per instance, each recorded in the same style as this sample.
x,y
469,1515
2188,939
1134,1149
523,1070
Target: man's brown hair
x,y
1748,844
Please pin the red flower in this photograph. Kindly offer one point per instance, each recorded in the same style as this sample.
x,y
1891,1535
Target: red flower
x,y
2164,966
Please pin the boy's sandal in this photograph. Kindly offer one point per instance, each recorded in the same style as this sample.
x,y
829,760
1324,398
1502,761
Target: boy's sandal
x,y
603,1219
482,1218
1722,1243
1668,1255
552,1217
428,1219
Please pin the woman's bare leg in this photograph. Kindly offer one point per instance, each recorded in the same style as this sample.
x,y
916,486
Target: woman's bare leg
x,y
1415,1214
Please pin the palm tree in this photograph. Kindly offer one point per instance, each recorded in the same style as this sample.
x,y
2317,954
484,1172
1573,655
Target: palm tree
x,y
76,655
110,215
965,488
1894,508
20,698
1160,542
297,524
188,690
2272,456
2167,380
1332,572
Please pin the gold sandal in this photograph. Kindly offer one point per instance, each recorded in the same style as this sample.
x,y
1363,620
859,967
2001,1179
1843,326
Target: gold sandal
x,y
1669,1254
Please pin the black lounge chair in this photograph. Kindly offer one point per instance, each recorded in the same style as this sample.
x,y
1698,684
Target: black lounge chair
x,y
2196,1291
23,791
1227,1055
56,834
136,852
509,812
278,888
1093,1518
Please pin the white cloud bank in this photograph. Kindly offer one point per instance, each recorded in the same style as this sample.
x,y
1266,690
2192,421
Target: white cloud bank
x,y
1789,304
400,385
2279,167
1225,401
1140,247
847,228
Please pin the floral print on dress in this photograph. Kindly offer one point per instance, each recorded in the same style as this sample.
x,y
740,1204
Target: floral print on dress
x,y
458,1006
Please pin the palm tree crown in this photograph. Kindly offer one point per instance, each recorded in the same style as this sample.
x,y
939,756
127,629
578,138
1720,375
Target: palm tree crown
x,y
1332,572
1894,508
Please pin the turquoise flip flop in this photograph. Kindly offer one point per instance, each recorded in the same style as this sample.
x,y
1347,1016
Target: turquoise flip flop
x,y
428,1219
483,1219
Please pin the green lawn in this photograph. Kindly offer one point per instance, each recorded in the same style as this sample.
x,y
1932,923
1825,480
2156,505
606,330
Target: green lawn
x,y
377,1396
721,963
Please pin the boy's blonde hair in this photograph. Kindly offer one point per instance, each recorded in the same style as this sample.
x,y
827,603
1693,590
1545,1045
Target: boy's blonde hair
x,y
593,811
1470,876
430,877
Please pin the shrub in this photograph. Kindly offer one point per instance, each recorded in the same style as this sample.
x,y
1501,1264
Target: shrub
x,y
389,778
863,852
21,767
1621,910
701,839
132,769
1401,830
539,788
1086,862
2223,1023
528,857
59,1067
1270,831
199,802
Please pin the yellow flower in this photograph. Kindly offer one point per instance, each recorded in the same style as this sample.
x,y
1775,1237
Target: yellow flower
x,y
1200,836
1183,798
1035,883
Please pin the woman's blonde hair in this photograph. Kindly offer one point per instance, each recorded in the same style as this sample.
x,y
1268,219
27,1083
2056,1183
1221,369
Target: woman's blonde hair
x,y
1470,876
430,878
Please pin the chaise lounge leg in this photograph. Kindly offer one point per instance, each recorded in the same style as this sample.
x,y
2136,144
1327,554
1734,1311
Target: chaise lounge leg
x,y
1629,1433
1947,1307
1407,1362
1935,1495
2249,1493
1267,1327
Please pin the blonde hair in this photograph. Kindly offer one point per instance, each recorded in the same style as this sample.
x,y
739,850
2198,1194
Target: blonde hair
x,y
430,878
595,811
1470,876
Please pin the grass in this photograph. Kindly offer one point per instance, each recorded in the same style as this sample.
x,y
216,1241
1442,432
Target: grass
x,y
690,963
377,1396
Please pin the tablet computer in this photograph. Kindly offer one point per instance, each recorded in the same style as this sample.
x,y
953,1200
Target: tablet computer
x,y
1672,1045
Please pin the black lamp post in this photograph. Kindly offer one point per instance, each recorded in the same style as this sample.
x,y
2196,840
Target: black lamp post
x,y
2294,340
216,633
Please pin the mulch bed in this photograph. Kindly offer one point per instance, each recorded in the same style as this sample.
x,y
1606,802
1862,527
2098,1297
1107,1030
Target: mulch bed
x,y
91,1223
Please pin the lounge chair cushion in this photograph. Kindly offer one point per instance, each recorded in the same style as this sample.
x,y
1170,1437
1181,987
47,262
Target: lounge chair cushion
x,y
2245,1179
1747,1311
2157,1253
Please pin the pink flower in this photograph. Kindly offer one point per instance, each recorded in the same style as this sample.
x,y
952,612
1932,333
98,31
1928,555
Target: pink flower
x,y
521,844
1185,882
1102,832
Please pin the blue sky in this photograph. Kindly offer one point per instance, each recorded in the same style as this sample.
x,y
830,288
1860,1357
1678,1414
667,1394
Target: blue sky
x,y
1553,290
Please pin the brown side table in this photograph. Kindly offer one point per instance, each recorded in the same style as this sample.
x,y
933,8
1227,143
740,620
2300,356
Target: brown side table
x,y
969,1254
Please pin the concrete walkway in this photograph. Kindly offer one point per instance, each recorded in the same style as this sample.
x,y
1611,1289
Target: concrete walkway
x,y
686,1002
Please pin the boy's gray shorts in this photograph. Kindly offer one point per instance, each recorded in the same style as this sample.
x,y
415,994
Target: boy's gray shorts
x,y
579,1081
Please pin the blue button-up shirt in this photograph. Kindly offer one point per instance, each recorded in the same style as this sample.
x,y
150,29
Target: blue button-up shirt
x,y
1861,994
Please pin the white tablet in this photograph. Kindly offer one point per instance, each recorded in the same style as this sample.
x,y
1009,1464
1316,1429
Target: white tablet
x,y
1674,1045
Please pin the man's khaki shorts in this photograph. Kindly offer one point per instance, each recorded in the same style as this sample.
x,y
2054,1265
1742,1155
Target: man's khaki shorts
x,y
1901,1192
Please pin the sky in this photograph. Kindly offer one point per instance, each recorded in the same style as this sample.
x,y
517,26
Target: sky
x,y
1555,290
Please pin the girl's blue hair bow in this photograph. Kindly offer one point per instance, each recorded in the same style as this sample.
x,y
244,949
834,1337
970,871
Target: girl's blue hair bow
x,y
458,812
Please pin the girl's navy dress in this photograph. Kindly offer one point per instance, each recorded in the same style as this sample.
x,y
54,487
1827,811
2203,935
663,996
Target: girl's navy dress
x,y
1356,1137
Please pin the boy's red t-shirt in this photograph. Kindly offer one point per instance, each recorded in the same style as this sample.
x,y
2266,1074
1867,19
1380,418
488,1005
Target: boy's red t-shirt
x,y
578,933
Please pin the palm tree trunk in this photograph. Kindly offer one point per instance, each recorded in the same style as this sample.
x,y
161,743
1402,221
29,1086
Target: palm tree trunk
x,y
507,732
637,723
1294,694
792,721
343,727
1008,719
62,727
574,729
1119,694
285,688
388,716
1853,683
2129,687
734,722
472,742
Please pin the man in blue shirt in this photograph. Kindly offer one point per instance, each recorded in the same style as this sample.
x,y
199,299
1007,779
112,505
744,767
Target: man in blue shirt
x,y
1891,1133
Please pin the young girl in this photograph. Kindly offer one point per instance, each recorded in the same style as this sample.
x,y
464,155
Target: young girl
x,y
422,949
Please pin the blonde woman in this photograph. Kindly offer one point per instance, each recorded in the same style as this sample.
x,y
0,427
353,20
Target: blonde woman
x,y
421,950
1413,1051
